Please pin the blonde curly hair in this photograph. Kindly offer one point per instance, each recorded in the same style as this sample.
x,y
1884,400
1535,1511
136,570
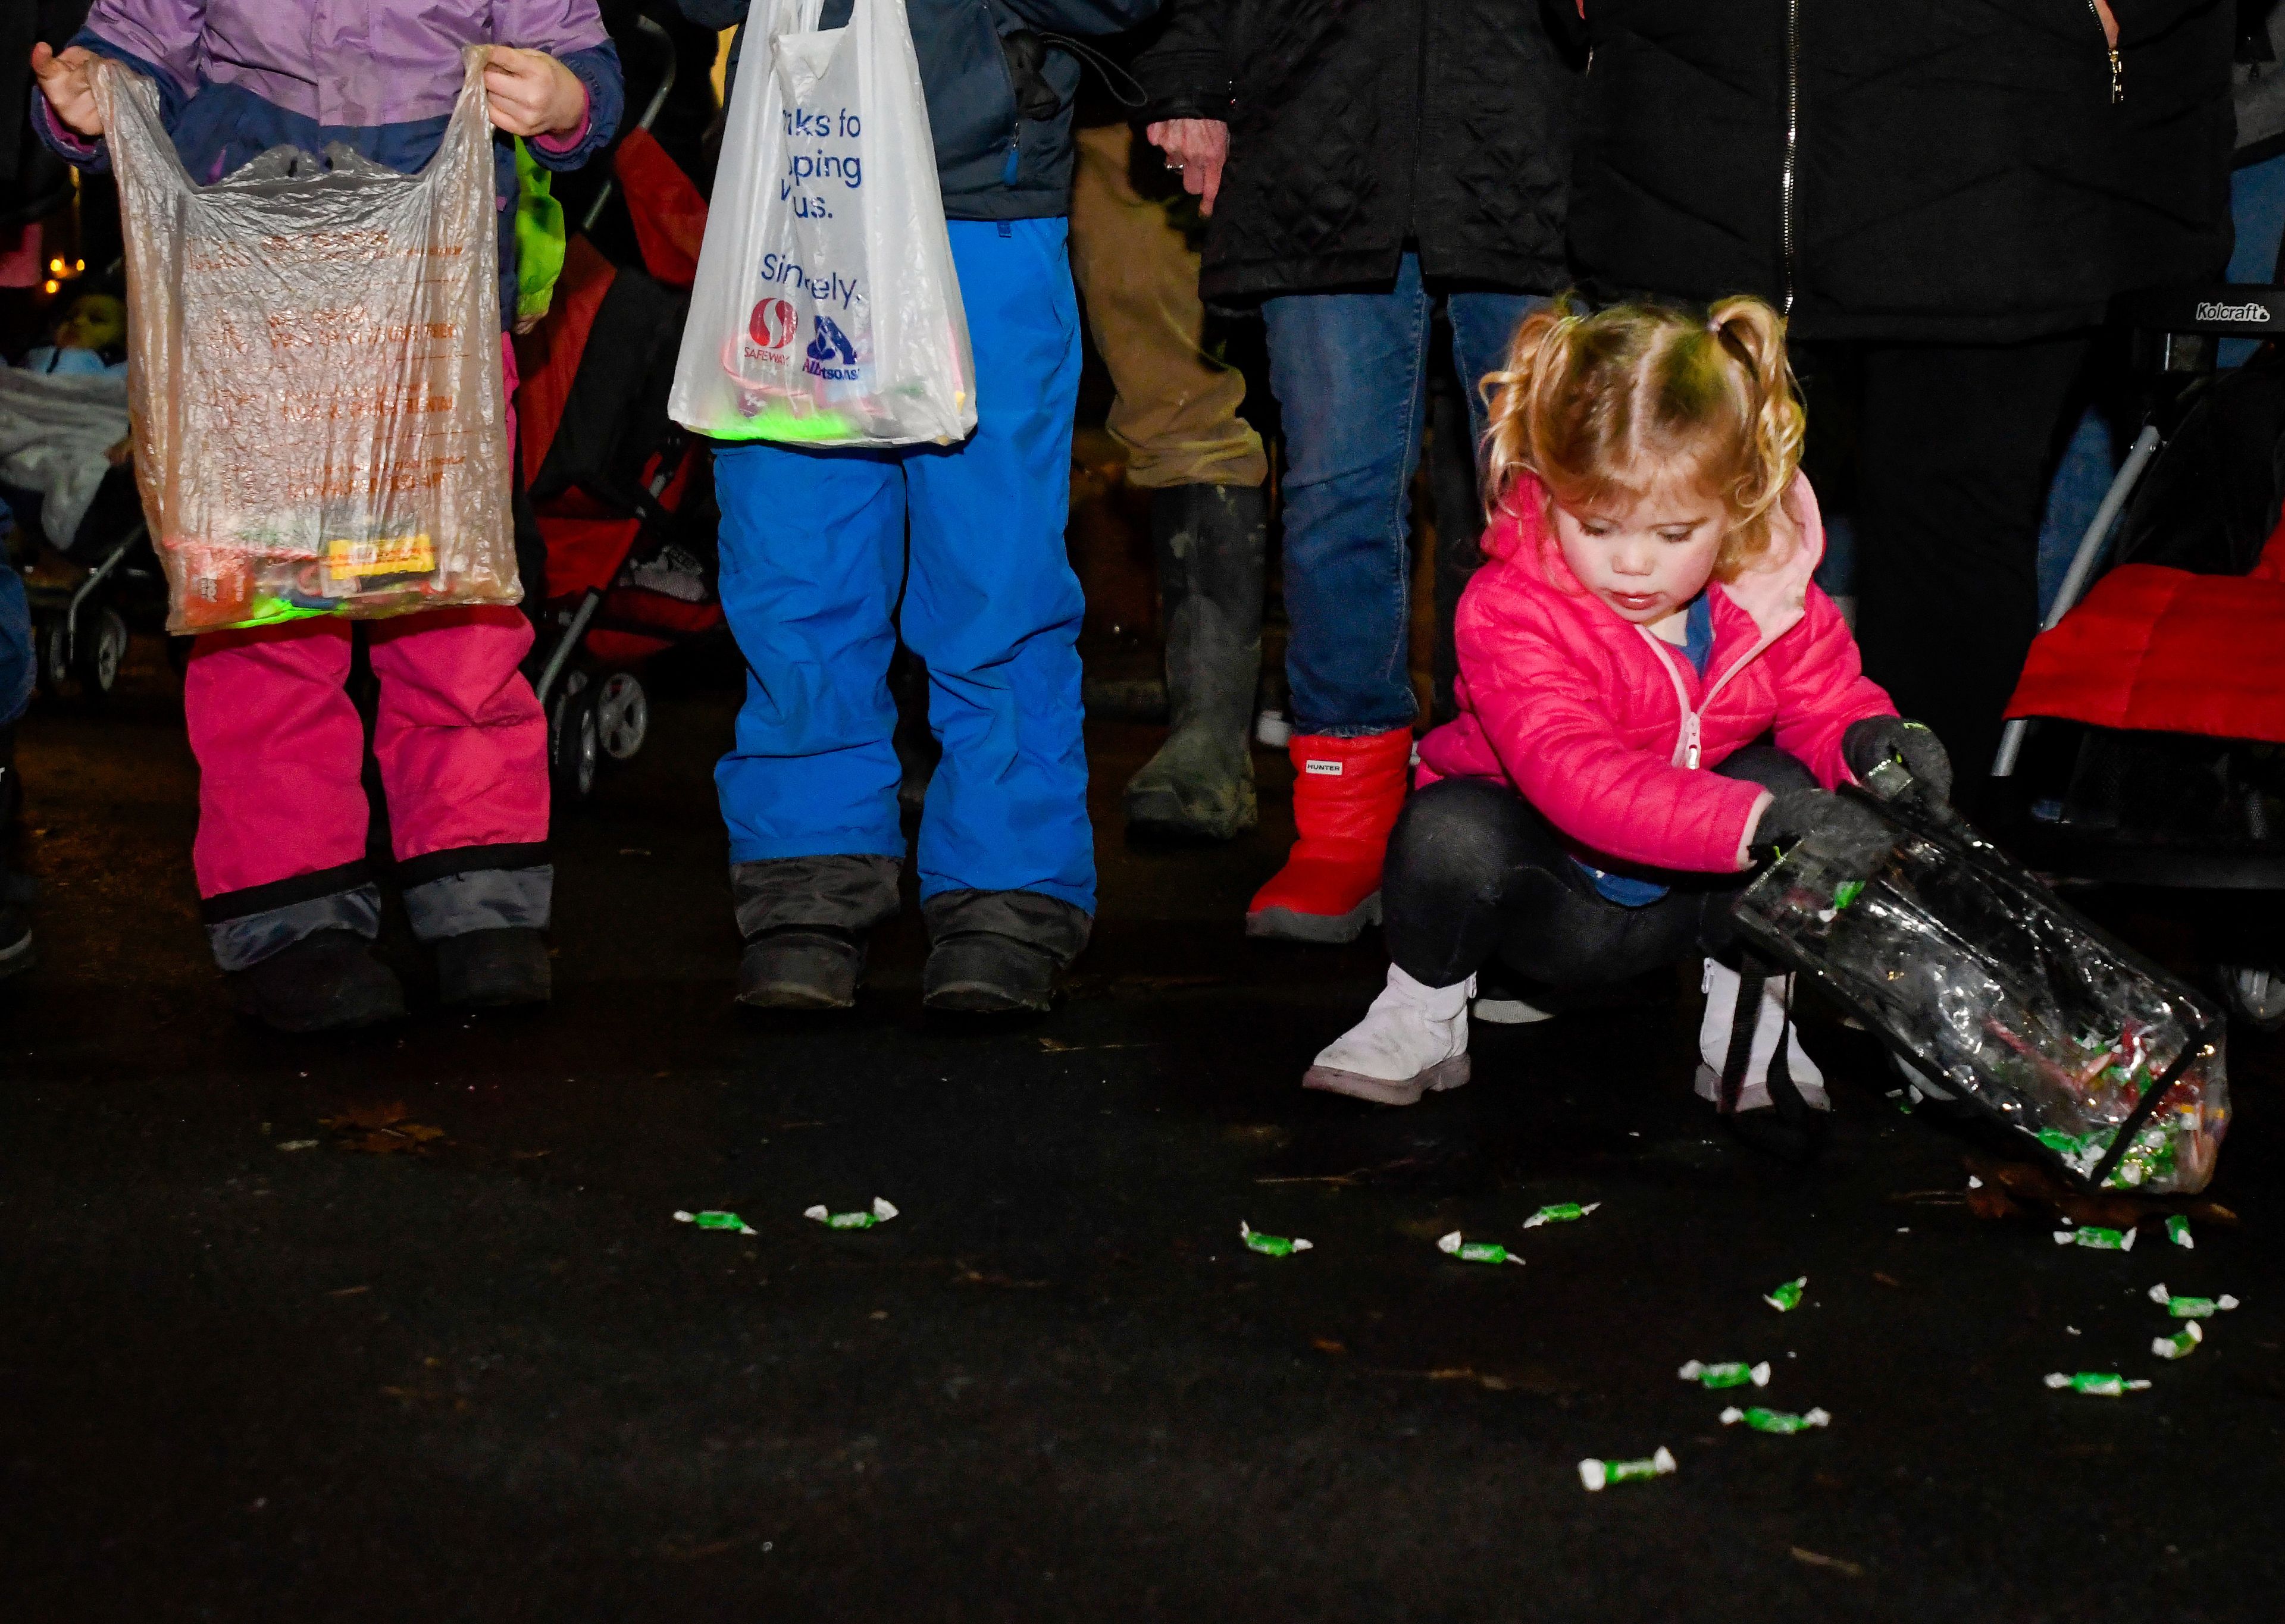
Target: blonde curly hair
x,y
1606,405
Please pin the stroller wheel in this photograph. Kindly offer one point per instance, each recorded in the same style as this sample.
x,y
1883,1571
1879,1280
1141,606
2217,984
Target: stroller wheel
x,y
621,716
102,649
53,643
574,749
2254,994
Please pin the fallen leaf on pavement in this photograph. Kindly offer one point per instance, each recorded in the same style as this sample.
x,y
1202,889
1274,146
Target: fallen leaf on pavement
x,y
380,1130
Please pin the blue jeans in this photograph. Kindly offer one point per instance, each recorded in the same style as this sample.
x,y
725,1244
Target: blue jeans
x,y
1350,373
813,557
16,667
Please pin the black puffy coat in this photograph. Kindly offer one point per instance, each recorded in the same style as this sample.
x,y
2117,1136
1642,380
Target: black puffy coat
x,y
1003,149
1964,170
1357,126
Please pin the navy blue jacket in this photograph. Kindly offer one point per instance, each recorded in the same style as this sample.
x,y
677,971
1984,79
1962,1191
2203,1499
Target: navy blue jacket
x,y
994,161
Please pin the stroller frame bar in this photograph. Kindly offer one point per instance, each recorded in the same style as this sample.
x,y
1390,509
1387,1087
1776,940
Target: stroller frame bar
x,y
2083,562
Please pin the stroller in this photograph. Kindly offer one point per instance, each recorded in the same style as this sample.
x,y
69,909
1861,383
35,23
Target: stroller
x,y
616,497
2157,689
81,627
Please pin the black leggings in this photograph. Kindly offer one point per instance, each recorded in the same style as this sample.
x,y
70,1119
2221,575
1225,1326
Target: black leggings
x,y
1474,870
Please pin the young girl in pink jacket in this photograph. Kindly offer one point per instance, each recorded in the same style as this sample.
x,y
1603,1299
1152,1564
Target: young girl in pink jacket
x,y
1645,616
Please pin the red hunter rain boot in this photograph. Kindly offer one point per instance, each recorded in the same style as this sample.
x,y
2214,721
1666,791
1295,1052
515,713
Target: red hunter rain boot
x,y
1347,794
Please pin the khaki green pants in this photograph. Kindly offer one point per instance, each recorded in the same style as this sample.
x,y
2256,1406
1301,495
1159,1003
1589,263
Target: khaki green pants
x,y
1177,412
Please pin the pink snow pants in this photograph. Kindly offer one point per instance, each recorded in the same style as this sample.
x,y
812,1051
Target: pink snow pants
x,y
460,740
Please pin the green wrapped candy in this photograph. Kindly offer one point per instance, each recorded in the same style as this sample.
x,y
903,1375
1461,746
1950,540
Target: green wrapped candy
x,y
2097,1237
1475,1252
1594,1474
2182,1343
715,1220
1775,1420
1270,1245
2094,1384
2192,1307
1736,1373
880,1213
2178,1230
1787,1298
1559,1212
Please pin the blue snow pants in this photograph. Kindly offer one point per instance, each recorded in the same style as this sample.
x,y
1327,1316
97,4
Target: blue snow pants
x,y
814,556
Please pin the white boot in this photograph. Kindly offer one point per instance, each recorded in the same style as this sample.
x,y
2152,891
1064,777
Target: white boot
x,y
1721,985
1414,1039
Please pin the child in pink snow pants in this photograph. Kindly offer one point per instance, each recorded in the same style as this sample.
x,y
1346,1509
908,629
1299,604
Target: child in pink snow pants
x,y
291,905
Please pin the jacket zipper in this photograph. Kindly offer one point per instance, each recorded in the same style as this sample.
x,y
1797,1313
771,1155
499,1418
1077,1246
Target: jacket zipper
x,y
2117,66
1792,144
1689,750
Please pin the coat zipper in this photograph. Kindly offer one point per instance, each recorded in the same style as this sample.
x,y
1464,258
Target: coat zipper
x,y
1689,750
1792,144
2117,66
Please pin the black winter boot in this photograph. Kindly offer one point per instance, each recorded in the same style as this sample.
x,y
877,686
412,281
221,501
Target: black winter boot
x,y
494,970
806,920
1212,542
802,967
998,953
328,982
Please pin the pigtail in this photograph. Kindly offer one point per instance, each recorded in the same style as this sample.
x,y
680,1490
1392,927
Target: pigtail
x,y
1752,338
1517,399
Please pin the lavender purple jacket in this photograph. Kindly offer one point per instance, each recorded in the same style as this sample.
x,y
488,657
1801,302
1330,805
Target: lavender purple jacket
x,y
238,77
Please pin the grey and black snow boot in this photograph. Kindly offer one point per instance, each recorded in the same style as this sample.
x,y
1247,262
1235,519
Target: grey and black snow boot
x,y
998,953
326,982
1212,542
494,970
806,920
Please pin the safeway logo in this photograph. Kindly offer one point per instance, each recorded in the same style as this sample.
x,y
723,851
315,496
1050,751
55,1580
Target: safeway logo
x,y
772,324
2252,314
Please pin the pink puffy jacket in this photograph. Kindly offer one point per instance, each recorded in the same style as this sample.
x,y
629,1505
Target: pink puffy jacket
x,y
1601,726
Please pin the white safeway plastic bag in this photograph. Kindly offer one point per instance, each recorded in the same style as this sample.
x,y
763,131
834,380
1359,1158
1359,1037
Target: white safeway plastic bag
x,y
826,309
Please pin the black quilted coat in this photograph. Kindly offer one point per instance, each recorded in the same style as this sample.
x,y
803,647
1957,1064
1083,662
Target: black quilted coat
x,y
1963,170
1359,125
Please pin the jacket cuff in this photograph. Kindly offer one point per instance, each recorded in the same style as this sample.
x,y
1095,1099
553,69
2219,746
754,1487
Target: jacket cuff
x,y
1184,85
1732,825
67,143
597,69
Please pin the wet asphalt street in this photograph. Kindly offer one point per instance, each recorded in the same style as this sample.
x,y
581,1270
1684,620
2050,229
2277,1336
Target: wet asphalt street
x,y
481,1374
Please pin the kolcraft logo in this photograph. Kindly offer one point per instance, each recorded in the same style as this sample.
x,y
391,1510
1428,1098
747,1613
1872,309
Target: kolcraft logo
x,y
772,324
2251,314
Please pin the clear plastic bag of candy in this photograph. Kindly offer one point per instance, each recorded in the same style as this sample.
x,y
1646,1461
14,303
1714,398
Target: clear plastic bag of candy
x,y
320,425
1975,974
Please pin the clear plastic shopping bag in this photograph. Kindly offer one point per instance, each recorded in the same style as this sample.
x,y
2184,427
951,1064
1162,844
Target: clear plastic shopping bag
x,y
826,309
1975,973
314,372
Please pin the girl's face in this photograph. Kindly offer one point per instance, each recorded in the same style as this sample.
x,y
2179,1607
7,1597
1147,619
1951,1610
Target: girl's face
x,y
1646,562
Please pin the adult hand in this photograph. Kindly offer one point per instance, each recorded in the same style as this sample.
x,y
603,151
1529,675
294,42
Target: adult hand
x,y
533,94
1798,814
2109,23
1888,738
1197,148
65,81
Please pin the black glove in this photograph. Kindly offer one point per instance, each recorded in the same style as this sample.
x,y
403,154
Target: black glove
x,y
1887,737
1798,814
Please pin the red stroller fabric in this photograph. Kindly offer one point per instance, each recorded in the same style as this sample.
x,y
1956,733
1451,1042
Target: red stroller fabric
x,y
2152,650
669,214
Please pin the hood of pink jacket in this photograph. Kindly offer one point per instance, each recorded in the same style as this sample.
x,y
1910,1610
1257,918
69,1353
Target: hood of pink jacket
x,y
1775,592
1593,719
